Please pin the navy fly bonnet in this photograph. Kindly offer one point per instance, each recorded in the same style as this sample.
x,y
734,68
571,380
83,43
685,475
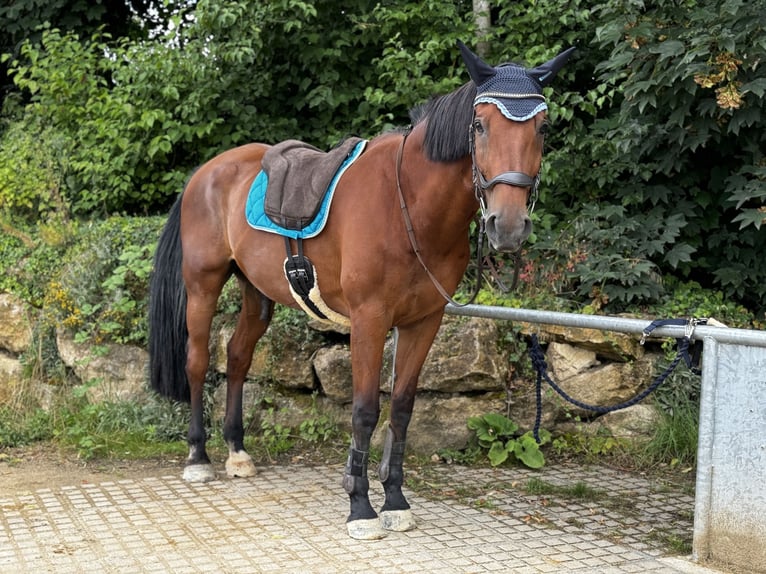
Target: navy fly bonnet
x,y
515,90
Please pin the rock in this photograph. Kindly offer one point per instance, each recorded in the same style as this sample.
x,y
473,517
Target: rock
x,y
600,385
15,324
633,422
464,358
11,373
117,373
566,361
291,367
332,366
608,344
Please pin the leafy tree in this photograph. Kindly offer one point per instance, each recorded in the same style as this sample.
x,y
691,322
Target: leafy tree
x,y
22,20
686,140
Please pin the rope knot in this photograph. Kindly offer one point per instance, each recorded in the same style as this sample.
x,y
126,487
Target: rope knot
x,y
537,356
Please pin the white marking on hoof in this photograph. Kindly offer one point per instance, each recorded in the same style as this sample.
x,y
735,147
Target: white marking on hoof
x,y
398,520
367,529
199,473
239,464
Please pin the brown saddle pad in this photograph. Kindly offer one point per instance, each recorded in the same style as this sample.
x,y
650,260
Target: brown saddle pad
x,y
299,175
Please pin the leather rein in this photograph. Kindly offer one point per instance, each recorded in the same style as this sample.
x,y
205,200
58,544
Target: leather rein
x,y
481,186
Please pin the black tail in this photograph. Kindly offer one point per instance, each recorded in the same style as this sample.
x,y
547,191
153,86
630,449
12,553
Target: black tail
x,y
167,314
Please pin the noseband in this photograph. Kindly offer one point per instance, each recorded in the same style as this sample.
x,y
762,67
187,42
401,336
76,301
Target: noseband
x,y
514,178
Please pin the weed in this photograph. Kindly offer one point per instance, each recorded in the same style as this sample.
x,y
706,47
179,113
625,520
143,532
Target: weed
x,y
276,437
496,433
675,543
466,456
589,446
319,427
675,438
539,487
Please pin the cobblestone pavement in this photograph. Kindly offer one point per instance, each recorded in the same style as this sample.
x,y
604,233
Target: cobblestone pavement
x,y
291,519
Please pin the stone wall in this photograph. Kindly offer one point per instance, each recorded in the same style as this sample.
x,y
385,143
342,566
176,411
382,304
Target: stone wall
x,y
467,373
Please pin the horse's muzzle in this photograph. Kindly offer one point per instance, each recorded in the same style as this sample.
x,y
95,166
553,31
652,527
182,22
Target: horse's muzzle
x,y
504,236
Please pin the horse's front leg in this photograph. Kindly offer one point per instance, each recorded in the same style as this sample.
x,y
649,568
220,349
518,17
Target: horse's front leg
x,y
366,359
412,346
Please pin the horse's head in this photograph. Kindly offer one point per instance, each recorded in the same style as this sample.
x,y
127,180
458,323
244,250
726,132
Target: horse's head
x,y
507,132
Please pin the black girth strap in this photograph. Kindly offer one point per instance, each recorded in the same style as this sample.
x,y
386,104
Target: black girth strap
x,y
300,274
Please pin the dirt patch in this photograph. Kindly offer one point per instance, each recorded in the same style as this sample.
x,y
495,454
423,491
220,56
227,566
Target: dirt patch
x,y
44,466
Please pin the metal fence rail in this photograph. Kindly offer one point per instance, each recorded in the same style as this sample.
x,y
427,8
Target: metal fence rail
x,y
730,492
604,323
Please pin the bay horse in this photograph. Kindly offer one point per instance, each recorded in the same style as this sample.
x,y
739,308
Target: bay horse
x,y
395,241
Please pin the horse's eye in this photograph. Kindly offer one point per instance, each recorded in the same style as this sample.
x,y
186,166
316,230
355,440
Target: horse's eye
x,y
544,129
478,127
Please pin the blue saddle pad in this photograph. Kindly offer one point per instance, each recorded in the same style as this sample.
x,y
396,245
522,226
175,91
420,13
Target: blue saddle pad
x,y
257,218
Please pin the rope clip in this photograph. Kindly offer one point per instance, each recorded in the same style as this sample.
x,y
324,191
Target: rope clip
x,y
689,331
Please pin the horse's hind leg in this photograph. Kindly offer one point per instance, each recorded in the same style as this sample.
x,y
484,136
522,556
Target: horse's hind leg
x,y
412,348
253,320
202,290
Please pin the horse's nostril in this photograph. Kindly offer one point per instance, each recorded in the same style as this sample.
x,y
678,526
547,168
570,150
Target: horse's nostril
x,y
527,227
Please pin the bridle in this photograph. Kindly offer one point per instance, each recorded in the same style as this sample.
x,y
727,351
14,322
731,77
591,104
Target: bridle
x,y
481,186
514,178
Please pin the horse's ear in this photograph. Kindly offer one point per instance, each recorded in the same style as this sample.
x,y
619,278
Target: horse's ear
x,y
479,70
547,71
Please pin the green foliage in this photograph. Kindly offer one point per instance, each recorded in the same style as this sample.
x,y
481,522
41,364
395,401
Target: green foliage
x,y
101,286
110,121
31,171
654,171
675,439
22,427
497,434
417,59
275,437
689,299
687,132
589,446
318,426
28,259
605,256
124,428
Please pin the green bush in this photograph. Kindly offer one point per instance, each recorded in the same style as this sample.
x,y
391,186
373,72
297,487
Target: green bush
x,y
29,257
32,171
100,289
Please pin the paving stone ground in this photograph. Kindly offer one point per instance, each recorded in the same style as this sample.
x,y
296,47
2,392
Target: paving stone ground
x,y
291,519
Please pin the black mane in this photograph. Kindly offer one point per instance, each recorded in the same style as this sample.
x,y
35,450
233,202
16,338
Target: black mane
x,y
447,120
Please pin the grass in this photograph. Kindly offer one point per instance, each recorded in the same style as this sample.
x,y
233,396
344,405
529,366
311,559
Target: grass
x,y
153,427
675,439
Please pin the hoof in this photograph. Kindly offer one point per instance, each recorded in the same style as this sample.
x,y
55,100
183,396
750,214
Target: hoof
x,y
199,473
239,464
397,520
367,529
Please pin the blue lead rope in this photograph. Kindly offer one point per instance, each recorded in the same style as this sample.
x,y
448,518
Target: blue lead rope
x,y
541,368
